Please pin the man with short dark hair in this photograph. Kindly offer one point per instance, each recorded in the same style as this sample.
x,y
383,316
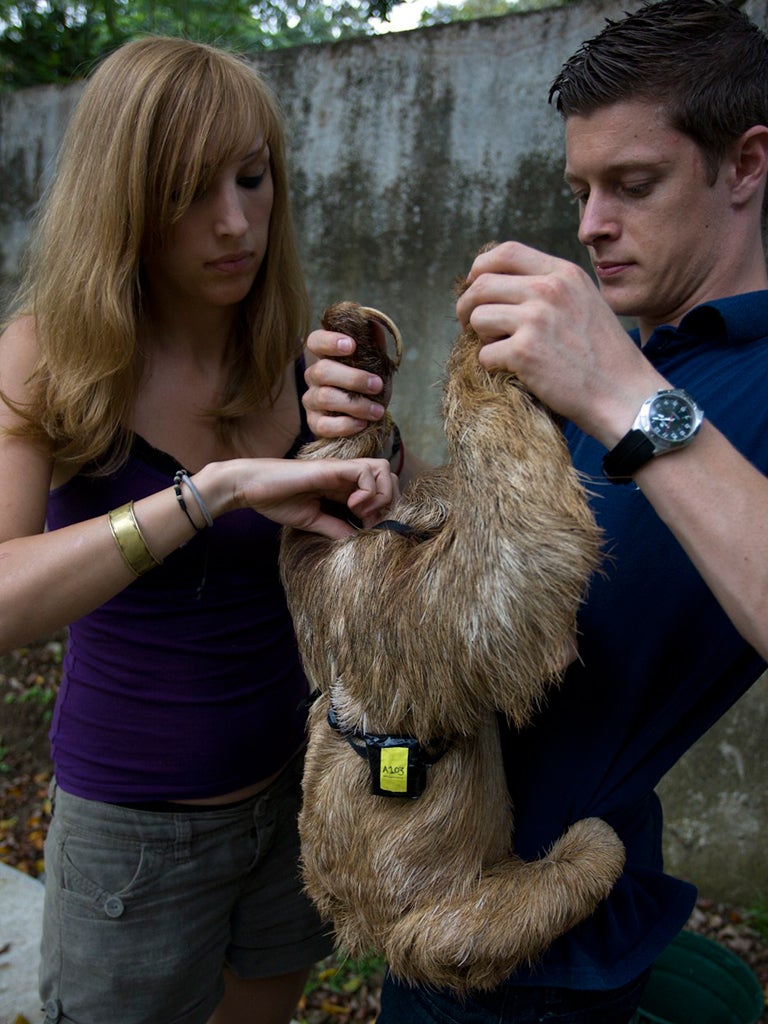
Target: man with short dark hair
x,y
666,117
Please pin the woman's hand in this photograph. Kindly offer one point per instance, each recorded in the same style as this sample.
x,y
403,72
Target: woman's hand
x,y
340,400
292,491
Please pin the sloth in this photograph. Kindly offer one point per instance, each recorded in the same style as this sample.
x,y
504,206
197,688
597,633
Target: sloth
x,y
416,636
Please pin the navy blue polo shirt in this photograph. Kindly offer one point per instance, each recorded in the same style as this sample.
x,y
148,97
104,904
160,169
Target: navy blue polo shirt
x,y
659,664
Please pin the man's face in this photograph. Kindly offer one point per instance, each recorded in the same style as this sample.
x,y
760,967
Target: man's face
x,y
655,229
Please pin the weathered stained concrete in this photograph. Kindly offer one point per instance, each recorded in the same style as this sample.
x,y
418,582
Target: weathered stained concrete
x,y
32,122
411,152
407,153
716,805
21,900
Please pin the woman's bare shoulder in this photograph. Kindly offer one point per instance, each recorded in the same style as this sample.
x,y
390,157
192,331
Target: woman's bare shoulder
x,y
19,353
19,339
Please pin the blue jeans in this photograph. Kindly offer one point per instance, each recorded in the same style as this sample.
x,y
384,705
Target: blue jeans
x,y
521,1004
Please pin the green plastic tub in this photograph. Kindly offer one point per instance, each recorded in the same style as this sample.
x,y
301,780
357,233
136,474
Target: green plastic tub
x,y
698,981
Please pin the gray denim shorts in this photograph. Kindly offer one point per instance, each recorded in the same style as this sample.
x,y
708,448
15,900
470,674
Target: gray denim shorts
x,y
144,908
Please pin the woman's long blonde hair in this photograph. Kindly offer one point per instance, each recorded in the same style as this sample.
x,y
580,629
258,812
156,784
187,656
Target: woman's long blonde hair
x,y
138,146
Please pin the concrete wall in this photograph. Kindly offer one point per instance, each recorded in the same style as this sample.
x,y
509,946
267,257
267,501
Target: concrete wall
x,y
716,805
411,152
408,152
31,125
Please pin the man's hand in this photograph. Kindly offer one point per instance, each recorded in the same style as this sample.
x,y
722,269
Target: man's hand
x,y
340,400
543,319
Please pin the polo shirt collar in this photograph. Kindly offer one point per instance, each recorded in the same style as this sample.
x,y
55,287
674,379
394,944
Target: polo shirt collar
x,y
735,320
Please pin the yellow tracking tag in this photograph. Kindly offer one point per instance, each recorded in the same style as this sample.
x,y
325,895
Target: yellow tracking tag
x,y
393,770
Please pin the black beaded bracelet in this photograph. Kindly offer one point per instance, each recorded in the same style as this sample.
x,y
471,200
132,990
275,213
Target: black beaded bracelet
x,y
183,477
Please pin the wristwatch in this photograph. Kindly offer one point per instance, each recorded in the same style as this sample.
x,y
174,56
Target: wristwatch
x,y
667,421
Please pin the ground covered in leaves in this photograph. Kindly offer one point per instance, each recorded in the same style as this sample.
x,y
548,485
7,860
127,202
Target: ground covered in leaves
x,y
338,991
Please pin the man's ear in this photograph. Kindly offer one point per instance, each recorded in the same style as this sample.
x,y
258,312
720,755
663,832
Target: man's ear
x,y
748,160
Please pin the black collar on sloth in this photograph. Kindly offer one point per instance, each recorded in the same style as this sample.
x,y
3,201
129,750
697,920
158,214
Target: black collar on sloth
x,y
398,764
404,529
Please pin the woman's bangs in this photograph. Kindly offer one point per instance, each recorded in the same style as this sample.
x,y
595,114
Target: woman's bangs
x,y
242,115
211,123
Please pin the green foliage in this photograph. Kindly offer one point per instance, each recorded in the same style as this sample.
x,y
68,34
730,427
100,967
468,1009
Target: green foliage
x,y
44,41
343,985
443,13
343,974
758,916
41,694
43,45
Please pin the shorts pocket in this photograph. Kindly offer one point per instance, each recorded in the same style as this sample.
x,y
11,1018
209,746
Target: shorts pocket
x,y
94,871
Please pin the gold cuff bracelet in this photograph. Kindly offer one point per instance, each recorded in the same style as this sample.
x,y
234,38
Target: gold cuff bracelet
x,y
130,540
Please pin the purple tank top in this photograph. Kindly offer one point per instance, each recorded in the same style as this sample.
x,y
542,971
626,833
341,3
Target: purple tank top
x,y
188,683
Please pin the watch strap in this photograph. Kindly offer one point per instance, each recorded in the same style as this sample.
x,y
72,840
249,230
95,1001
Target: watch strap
x,y
625,458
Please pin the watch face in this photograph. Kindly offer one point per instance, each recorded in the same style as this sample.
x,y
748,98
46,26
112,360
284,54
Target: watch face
x,y
672,418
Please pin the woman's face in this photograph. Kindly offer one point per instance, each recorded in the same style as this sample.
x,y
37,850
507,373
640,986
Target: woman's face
x,y
216,248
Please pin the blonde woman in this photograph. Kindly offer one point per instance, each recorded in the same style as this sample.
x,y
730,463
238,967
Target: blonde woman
x,y
151,381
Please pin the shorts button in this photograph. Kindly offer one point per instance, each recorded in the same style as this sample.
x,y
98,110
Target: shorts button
x,y
52,1011
114,906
